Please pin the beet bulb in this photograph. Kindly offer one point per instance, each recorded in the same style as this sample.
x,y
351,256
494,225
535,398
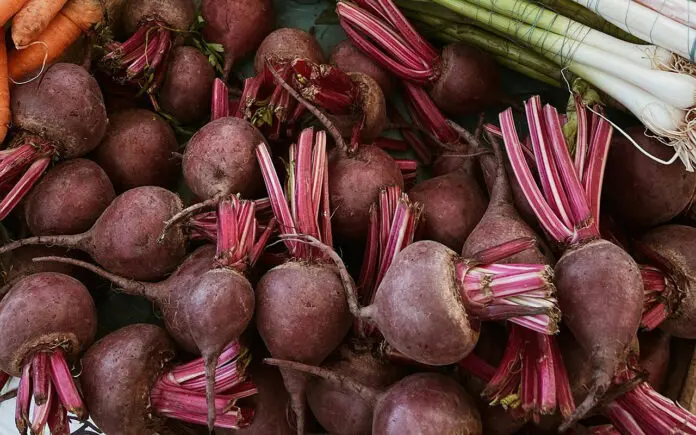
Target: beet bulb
x,y
239,25
68,199
301,310
138,151
59,115
286,45
131,388
347,57
124,238
64,323
423,403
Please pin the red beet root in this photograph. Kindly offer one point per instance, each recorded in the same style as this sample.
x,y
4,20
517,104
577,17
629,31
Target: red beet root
x,y
69,198
61,114
188,85
219,160
286,45
643,193
239,25
424,403
347,57
654,356
64,322
671,249
124,238
453,205
137,151
178,14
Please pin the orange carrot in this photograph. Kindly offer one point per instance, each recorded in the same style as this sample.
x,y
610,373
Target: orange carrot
x,y
5,117
8,8
33,19
75,18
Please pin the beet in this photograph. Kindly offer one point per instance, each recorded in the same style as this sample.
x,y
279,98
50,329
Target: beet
x,y
137,151
177,14
349,58
219,160
188,86
59,115
423,403
118,373
671,248
641,192
286,45
124,238
239,25
354,183
62,313
654,356
69,198
453,205
342,412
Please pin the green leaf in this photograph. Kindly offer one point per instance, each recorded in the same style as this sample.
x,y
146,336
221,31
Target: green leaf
x,y
216,47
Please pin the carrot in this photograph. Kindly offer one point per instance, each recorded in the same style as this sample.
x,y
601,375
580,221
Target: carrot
x,y
75,18
8,8
33,19
5,117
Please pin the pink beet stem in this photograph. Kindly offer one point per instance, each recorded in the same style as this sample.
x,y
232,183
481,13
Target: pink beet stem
x,y
23,186
571,182
235,418
185,400
428,115
220,106
58,422
546,371
23,400
250,94
262,241
142,63
407,165
196,368
325,217
478,367
413,139
40,376
276,195
41,411
305,217
581,146
655,307
504,250
622,419
546,215
550,179
504,382
65,386
596,163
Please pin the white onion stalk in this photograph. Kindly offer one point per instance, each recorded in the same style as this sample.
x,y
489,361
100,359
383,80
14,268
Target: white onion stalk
x,y
646,24
681,11
649,56
664,101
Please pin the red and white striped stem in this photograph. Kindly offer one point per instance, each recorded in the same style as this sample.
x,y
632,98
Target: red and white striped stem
x,y
657,290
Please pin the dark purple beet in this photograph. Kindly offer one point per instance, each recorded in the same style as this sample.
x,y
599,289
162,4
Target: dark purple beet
x,y
138,151
354,183
672,248
302,315
287,44
641,192
177,14
118,373
42,311
453,205
220,159
271,404
68,199
188,86
239,25
654,356
342,412
124,238
468,82
348,58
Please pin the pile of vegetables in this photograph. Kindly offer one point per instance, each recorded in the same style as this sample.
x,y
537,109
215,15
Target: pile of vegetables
x,y
320,245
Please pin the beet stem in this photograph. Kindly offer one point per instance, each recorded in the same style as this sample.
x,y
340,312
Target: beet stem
x,y
23,400
220,106
593,177
58,422
23,186
184,214
40,414
40,377
424,111
391,144
368,394
65,385
504,250
413,140
335,134
475,365
581,145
